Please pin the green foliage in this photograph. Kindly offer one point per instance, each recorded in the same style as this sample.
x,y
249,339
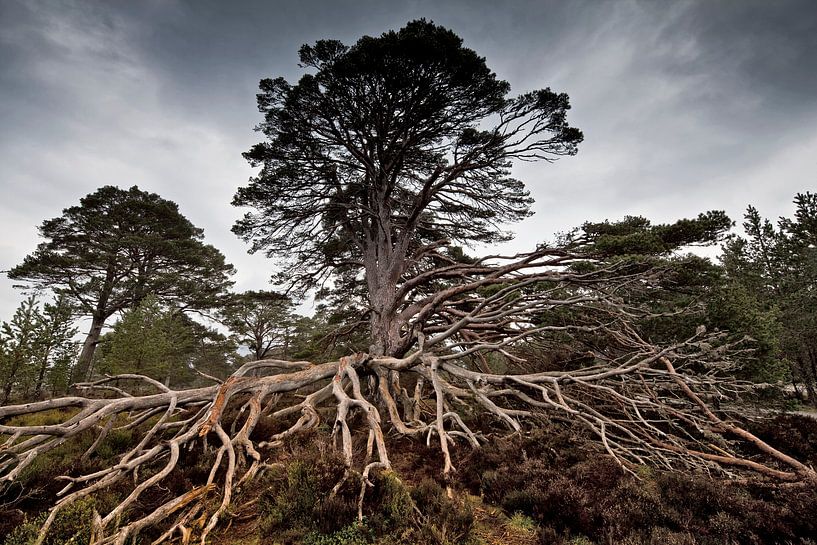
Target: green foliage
x,y
520,521
161,343
733,307
58,351
115,443
770,291
442,520
72,526
298,503
17,347
262,321
635,235
354,534
37,348
328,334
41,472
393,504
116,247
297,506
148,340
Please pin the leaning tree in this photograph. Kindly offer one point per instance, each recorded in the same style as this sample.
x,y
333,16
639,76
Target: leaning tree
x,y
117,247
377,165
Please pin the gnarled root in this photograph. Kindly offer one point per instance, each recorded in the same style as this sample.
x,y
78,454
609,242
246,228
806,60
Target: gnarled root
x,y
641,408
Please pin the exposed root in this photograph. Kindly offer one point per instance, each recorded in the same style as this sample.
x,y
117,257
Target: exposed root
x,y
640,400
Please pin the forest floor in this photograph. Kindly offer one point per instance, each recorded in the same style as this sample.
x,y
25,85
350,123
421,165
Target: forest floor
x,y
550,486
492,526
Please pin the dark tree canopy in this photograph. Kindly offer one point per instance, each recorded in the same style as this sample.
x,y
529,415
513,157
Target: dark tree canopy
x,y
115,248
636,235
387,151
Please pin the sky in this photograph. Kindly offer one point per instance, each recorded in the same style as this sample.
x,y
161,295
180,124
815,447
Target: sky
x,y
686,106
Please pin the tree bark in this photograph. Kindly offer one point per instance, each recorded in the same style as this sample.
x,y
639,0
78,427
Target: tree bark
x,y
7,388
41,374
80,372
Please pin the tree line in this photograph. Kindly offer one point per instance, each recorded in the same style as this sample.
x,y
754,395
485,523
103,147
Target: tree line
x,y
152,272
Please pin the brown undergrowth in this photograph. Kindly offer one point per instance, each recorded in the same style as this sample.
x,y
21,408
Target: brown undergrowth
x,y
576,495
550,486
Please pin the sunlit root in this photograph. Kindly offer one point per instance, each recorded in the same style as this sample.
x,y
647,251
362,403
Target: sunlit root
x,y
642,402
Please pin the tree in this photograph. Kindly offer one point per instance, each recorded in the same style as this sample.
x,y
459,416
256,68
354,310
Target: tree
x,y
774,268
55,345
161,343
35,345
393,148
377,165
147,340
261,321
116,247
18,341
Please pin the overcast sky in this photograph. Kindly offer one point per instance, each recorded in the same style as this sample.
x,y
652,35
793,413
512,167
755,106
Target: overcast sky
x,y
685,106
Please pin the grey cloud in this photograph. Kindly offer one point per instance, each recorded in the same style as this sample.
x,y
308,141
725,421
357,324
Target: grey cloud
x,y
686,106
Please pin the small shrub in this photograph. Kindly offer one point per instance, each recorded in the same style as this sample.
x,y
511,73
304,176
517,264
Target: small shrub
x,y
115,443
549,536
521,522
353,534
442,520
389,506
298,503
795,435
42,418
9,520
72,525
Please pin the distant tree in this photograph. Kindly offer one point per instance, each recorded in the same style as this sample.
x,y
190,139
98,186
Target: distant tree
x,y
331,332
18,347
212,353
774,268
34,344
116,247
261,321
148,340
56,350
164,344
390,150
682,278
638,236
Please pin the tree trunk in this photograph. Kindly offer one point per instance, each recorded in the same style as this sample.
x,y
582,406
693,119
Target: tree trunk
x,y
83,365
384,322
812,377
6,393
41,374
16,363
385,329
